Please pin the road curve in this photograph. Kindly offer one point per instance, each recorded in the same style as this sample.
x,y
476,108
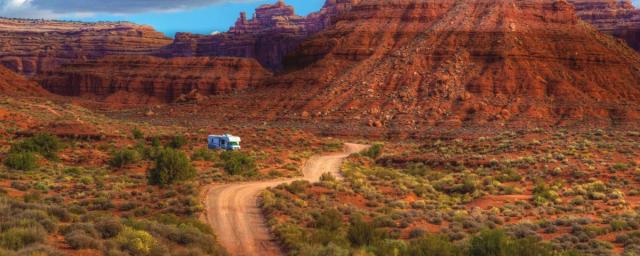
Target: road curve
x,y
233,213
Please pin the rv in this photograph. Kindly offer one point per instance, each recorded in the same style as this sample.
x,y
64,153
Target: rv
x,y
226,142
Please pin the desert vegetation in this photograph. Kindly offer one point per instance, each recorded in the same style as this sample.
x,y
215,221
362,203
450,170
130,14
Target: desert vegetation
x,y
121,189
528,193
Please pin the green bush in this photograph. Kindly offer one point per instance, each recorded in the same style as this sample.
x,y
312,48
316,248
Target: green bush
x,y
171,166
137,134
432,245
137,242
23,161
177,142
44,144
18,238
373,152
362,233
498,243
203,154
238,163
122,158
330,219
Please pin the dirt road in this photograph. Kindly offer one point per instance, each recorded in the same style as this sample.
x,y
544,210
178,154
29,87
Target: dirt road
x,y
233,213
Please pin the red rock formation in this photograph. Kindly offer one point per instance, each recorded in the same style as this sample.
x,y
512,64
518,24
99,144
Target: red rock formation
x,y
271,34
163,79
616,17
12,84
33,46
423,63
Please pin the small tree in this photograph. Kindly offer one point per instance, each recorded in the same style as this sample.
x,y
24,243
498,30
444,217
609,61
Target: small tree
x,y
171,166
238,163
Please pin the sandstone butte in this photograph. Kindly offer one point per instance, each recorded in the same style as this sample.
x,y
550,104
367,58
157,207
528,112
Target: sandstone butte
x,y
34,46
414,64
165,80
616,17
273,32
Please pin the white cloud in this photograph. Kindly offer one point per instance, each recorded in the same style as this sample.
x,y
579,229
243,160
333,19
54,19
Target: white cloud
x,y
81,8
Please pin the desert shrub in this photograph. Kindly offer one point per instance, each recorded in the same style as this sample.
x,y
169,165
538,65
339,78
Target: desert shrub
x,y
171,166
20,237
43,144
124,157
23,161
137,134
330,219
362,233
432,245
178,141
108,227
298,186
330,249
498,243
78,239
238,163
203,154
544,195
137,242
373,152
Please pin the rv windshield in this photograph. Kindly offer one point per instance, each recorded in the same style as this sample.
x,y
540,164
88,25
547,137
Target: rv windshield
x,y
233,143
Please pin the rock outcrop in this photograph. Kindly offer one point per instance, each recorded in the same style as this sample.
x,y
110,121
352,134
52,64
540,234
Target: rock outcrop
x,y
412,64
162,79
12,84
615,17
30,47
273,32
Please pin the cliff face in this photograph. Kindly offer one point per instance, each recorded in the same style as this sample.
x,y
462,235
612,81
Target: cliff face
x,y
34,46
616,17
425,63
162,79
270,35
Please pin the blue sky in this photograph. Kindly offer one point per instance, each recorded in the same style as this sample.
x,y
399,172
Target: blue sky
x,y
167,16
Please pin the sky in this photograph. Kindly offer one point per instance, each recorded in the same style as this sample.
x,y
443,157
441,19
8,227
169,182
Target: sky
x,y
167,16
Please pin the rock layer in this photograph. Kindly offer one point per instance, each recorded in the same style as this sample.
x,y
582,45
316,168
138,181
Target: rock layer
x,y
616,17
273,32
163,79
34,46
423,63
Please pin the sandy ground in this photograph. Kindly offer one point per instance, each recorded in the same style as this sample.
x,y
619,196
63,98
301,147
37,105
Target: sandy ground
x,y
233,213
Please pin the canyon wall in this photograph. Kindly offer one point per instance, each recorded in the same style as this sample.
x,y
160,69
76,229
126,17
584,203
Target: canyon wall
x,y
615,17
163,79
30,47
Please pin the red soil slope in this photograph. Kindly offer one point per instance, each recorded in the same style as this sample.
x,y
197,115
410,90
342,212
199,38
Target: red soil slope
x,y
12,84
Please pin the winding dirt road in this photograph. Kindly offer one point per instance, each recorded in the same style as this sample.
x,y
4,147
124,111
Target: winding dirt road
x,y
233,213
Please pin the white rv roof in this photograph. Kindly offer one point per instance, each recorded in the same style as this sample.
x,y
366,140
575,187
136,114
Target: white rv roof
x,y
229,136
